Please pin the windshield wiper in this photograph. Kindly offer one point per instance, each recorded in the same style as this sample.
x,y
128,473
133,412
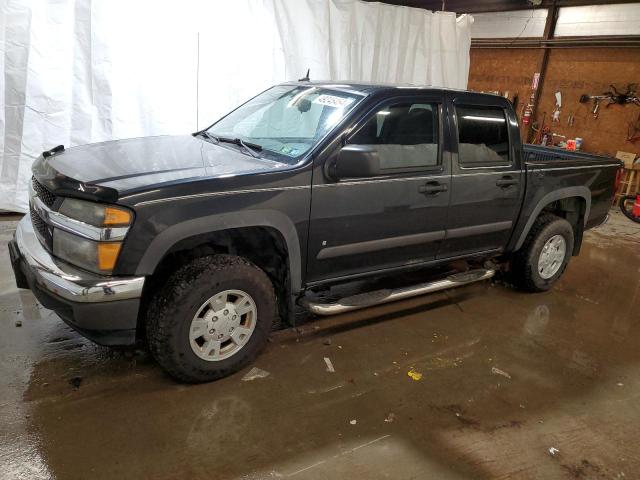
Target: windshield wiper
x,y
252,148
208,136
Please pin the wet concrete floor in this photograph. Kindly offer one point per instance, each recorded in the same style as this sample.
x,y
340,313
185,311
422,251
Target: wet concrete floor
x,y
513,385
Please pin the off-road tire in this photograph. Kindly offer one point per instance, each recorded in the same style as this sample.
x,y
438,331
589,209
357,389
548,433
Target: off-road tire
x,y
524,264
171,310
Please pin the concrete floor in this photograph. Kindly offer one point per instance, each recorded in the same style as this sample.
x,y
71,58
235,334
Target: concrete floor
x,y
563,402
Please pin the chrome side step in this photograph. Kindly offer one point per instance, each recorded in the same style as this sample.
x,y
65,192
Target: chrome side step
x,y
378,297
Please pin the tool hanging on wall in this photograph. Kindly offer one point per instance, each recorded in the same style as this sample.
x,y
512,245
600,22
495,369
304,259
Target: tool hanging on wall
x,y
613,96
570,119
630,96
555,116
596,102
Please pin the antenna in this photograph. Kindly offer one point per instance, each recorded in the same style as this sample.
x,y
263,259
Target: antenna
x,y
306,77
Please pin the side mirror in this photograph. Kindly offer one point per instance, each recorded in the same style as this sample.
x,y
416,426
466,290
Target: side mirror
x,y
356,161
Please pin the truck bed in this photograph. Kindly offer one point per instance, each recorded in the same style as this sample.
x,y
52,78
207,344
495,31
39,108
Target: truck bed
x,y
553,174
538,153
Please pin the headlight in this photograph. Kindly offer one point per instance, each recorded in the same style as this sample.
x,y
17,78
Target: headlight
x,y
89,234
94,213
99,257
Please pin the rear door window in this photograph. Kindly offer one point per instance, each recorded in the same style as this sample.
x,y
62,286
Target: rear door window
x,y
483,136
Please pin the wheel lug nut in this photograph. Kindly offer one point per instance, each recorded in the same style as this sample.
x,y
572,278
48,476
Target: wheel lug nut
x,y
212,331
234,317
215,318
220,336
226,312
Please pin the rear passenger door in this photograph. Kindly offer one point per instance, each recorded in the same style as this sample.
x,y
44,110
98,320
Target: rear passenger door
x,y
393,219
487,181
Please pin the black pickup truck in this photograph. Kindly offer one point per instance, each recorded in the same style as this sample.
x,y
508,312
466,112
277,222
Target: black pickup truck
x,y
201,244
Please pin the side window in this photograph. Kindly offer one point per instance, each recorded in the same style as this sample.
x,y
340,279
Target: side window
x,y
483,136
404,134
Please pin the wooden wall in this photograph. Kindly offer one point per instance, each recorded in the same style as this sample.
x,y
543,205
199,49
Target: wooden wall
x,y
573,72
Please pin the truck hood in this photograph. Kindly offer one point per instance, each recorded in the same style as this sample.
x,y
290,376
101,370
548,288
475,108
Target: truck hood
x,y
138,163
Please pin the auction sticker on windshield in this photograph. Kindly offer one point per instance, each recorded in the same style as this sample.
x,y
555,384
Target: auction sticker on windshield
x,y
333,101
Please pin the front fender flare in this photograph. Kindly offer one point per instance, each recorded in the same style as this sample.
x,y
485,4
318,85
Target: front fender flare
x,y
170,236
568,192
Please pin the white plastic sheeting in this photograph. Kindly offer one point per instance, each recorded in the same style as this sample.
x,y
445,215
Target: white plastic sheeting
x,y
82,71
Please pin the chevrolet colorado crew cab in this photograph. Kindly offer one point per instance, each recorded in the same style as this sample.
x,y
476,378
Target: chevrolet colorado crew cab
x,y
200,244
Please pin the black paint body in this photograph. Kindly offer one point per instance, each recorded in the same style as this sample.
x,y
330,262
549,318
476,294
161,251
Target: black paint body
x,y
184,186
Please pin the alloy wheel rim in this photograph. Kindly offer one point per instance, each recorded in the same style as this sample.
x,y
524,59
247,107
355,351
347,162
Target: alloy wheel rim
x,y
223,325
552,256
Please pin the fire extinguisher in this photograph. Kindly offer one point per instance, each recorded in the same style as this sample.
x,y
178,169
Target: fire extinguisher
x,y
526,116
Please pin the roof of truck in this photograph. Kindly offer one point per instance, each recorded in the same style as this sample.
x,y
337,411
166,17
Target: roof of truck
x,y
367,88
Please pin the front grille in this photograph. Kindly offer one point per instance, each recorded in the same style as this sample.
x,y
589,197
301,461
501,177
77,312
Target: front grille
x,y
42,229
45,195
38,224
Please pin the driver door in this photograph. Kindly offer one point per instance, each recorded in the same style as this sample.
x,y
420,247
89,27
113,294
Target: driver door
x,y
394,218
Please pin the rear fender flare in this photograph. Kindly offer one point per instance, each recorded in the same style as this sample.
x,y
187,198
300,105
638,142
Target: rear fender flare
x,y
568,192
170,236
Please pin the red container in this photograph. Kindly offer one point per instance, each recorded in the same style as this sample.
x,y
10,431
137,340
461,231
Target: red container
x,y
636,207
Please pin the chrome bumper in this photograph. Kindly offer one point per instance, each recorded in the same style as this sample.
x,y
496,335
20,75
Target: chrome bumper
x,y
66,281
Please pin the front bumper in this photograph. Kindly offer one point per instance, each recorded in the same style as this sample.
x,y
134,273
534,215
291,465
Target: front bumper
x,y
104,309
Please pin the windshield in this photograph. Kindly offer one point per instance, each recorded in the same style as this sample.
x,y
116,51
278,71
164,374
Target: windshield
x,y
286,121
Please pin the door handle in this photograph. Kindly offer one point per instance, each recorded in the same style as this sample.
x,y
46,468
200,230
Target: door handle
x,y
433,188
506,182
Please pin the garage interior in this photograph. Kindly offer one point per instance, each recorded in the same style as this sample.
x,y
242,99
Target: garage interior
x,y
481,381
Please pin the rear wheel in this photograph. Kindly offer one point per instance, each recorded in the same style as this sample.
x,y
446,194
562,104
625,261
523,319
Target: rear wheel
x,y
212,318
544,255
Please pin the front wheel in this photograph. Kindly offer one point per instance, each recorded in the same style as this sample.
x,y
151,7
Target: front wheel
x,y
544,255
212,318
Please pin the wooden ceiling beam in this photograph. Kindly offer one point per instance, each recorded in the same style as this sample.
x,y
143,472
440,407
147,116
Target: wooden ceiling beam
x,y
469,6
463,6
559,42
543,61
